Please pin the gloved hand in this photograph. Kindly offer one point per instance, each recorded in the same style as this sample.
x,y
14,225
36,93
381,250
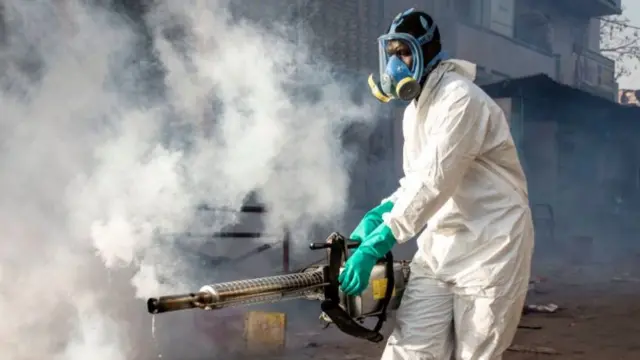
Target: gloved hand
x,y
354,278
370,221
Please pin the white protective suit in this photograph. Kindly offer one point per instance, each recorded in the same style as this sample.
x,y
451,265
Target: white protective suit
x,y
470,275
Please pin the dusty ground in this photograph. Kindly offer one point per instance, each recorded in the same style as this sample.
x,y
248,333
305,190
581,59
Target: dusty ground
x,y
596,322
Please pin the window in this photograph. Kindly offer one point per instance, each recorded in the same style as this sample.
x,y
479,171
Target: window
x,y
606,76
502,14
534,28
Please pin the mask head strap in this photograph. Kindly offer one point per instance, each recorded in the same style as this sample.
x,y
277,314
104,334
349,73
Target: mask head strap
x,y
422,40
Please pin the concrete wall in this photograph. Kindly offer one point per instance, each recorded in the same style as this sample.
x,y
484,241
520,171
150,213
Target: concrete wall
x,y
496,53
594,35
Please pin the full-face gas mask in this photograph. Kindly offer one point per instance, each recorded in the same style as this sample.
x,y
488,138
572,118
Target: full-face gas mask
x,y
397,80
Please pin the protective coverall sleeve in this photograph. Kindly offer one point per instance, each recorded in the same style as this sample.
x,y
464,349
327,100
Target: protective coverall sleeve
x,y
454,129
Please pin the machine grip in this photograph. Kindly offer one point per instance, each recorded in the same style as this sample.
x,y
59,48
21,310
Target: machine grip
x,y
319,246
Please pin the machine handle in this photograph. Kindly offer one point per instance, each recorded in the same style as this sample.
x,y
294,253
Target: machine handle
x,y
319,246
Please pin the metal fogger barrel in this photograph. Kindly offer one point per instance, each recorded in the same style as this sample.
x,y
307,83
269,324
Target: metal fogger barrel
x,y
243,292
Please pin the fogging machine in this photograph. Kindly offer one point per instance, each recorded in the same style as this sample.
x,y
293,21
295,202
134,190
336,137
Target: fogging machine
x,y
315,282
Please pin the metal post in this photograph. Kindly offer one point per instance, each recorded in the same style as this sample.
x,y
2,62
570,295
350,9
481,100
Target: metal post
x,y
286,251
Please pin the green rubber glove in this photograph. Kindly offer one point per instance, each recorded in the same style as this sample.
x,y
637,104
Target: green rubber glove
x,y
371,220
354,278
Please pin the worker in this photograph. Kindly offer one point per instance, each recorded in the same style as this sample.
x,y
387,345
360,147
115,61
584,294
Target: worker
x,y
462,176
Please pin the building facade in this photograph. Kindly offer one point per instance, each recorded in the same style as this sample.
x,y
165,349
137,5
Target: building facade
x,y
506,38
515,38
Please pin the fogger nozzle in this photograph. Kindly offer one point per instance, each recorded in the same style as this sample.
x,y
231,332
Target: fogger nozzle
x,y
178,302
254,291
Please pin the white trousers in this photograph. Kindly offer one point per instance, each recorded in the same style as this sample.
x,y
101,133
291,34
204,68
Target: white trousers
x,y
438,321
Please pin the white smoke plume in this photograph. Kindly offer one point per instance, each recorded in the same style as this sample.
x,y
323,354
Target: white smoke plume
x,y
111,138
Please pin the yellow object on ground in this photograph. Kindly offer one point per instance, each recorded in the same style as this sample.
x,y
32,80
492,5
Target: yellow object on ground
x,y
265,331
